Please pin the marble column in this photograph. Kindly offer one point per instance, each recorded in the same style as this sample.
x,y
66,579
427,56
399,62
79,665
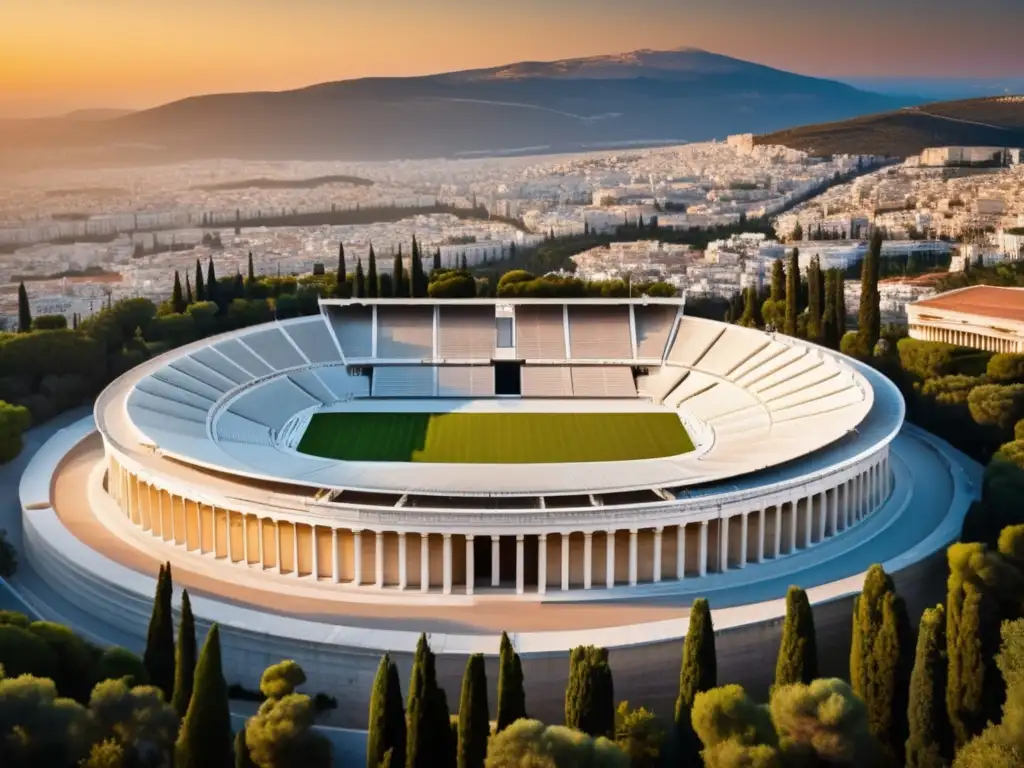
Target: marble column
x,y
588,559
470,564
681,552
565,562
446,561
520,574
495,560
633,533
357,557
403,562
609,559
702,551
335,557
723,544
424,562
656,575
542,563
378,559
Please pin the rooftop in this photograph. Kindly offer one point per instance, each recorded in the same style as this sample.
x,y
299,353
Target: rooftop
x,y
983,300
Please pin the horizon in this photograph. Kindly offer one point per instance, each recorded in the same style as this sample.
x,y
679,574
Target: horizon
x,y
250,46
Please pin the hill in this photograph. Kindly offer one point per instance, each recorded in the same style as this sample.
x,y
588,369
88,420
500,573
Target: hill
x,y
573,104
995,121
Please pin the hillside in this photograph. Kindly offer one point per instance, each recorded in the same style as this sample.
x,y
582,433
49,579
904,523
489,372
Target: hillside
x,y
997,122
574,104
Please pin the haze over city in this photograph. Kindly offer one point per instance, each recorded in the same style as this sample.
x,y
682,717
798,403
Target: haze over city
x,y
63,55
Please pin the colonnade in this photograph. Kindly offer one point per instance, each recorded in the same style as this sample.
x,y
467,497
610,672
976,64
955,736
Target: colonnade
x,y
563,558
964,338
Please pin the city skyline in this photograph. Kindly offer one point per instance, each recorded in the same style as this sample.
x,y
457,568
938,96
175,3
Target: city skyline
x,y
62,55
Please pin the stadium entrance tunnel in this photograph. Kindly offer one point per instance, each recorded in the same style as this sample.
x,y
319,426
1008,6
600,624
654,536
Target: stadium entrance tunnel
x,y
507,378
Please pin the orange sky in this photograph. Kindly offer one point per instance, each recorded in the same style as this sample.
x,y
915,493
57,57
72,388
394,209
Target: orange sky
x,y
57,55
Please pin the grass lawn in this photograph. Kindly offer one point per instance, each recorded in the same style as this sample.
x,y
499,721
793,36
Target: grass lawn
x,y
494,438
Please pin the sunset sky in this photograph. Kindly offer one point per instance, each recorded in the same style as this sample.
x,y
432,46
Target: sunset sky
x,y
58,55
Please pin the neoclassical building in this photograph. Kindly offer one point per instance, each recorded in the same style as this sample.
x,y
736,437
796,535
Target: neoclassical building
x,y
791,447
801,472
985,317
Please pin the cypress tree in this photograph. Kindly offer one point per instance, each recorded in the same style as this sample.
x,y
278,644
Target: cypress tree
x,y
251,273
429,736
242,758
399,288
200,286
177,300
184,658
792,292
511,695
212,289
869,322
386,737
415,269
188,291
342,273
437,258
892,660
975,689
751,310
238,287
778,292
881,658
25,313
798,652
590,695
867,620
204,740
462,262
829,332
699,672
159,656
360,284
928,742
814,301
474,716
372,285
840,305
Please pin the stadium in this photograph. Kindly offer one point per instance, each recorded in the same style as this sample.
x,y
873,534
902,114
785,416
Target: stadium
x,y
570,470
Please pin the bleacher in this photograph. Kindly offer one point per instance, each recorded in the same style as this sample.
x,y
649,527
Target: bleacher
x,y
405,332
272,346
540,332
344,385
653,326
403,381
273,403
216,361
602,381
546,381
733,348
465,333
353,327
309,382
314,340
465,381
238,429
599,333
243,357
198,372
693,341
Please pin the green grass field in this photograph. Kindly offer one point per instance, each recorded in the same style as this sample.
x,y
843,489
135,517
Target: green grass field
x,y
494,438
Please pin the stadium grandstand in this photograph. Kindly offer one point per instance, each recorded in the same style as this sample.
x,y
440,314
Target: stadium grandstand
x,y
324,481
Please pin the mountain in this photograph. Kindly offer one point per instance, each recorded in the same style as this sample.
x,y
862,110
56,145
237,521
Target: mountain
x,y
632,98
989,122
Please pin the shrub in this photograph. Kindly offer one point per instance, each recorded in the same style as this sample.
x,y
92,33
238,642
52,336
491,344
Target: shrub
x,y
529,742
1006,369
997,405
